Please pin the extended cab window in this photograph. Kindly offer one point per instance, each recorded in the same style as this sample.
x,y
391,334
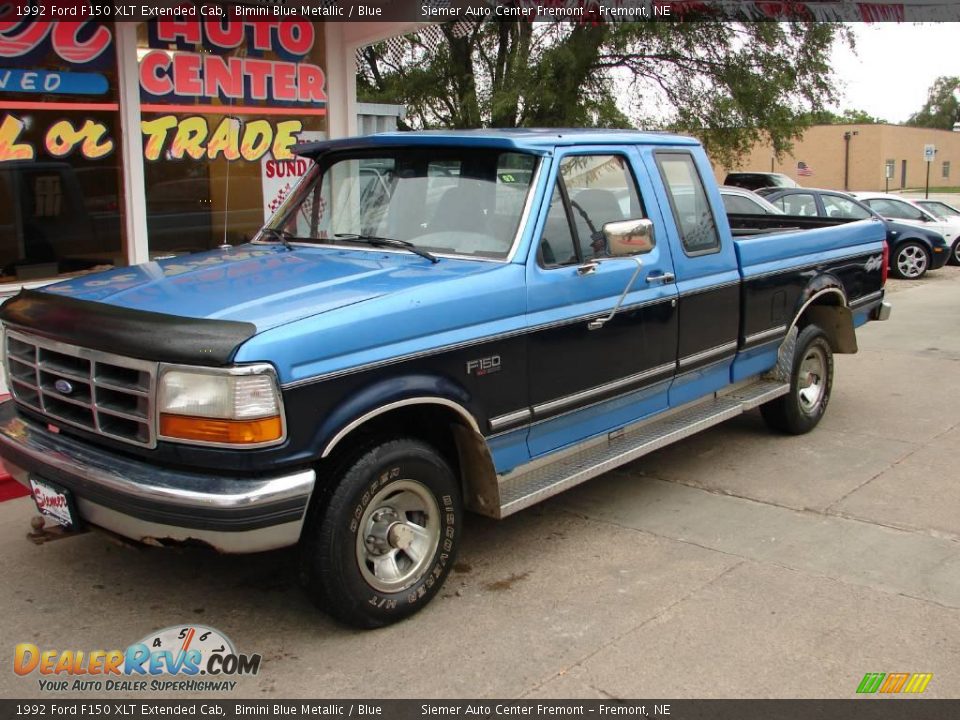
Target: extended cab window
x,y
460,201
688,199
599,189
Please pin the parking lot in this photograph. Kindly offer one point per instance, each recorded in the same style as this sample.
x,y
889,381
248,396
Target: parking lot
x,y
737,563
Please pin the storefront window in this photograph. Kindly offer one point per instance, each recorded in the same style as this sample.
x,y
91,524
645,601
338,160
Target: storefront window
x,y
222,103
61,201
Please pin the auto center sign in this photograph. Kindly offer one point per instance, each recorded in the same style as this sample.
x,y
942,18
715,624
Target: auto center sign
x,y
211,75
203,76
191,69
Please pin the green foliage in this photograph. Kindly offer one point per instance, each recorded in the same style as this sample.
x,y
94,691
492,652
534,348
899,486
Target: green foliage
x,y
730,84
942,108
847,117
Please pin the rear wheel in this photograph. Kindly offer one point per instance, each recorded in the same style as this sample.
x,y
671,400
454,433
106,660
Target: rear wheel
x,y
380,546
910,261
811,381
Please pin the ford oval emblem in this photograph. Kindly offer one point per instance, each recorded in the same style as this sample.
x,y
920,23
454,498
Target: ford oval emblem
x,y
64,387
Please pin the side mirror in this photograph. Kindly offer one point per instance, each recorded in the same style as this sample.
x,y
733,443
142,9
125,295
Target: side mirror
x,y
629,237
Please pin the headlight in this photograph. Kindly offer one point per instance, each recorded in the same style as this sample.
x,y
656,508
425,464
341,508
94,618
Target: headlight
x,y
230,406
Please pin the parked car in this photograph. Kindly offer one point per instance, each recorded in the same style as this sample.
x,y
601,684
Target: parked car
x,y
757,180
745,202
895,207
947,213
913,249
353,394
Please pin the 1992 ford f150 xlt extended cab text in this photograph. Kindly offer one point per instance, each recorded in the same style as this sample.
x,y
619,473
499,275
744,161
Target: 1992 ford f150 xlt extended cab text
x,y
432,322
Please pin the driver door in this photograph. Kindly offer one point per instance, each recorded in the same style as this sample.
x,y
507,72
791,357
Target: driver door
x,y
584,381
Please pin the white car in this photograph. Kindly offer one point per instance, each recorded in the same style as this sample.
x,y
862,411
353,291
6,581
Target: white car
x,y
895,207
947,213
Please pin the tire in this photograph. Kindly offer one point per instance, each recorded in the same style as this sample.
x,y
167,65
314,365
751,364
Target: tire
x,y
811,381
378,546
955,253
910,261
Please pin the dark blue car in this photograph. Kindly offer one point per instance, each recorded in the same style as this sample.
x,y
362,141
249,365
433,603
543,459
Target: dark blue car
x,y
913,250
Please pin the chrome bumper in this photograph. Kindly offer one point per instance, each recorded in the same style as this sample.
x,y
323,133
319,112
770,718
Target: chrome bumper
x,y
882,311
151,504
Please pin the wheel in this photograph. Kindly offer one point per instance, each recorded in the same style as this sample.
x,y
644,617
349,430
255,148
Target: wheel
x,y
378,546
910,261
811,380
955,253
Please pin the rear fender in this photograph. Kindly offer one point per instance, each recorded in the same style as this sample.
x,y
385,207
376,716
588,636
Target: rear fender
x,y
824,303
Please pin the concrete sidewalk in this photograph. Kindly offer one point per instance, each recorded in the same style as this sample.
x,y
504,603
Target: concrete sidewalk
x,y
735,564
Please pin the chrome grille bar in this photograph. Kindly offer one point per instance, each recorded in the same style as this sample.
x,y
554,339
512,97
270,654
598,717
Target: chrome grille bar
x,y
100,392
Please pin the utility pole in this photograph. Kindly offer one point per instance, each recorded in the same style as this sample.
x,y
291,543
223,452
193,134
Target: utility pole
x,y
846,157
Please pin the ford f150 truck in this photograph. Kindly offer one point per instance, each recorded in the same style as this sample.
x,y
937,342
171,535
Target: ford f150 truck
x,y
431,323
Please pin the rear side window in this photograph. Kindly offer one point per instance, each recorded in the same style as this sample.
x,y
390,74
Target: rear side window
x,y
798,204
741,205
838,207
688,199
895,209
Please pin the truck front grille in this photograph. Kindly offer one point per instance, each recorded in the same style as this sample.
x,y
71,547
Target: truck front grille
x,y
100,392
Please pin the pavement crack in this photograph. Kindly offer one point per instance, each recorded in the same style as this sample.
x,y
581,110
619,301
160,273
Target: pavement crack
x,y
653,618
828,510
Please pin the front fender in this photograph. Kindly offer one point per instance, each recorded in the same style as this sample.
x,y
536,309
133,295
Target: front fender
x,y
389,394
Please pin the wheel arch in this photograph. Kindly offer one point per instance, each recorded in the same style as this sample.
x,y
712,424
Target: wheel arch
x,y
825,304
437,413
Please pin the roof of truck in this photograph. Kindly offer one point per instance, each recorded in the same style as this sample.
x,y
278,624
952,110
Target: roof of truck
x,y
525,139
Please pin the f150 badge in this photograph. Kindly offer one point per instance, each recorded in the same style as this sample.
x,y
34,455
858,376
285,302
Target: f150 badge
x,y
483,366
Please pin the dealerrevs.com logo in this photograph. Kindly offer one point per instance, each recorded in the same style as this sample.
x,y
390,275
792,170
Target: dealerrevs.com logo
x,y
182,657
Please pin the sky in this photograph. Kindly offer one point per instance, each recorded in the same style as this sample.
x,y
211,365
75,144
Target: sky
x,y
894,65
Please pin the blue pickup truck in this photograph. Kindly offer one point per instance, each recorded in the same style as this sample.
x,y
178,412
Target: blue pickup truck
x,y
432,323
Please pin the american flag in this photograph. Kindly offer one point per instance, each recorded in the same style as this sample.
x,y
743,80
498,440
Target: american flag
x,y
804,170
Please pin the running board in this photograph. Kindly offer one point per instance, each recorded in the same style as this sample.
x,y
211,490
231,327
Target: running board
x,y
553,474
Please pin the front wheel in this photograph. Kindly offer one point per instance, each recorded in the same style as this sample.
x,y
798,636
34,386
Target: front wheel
x,y
955,254
380,546
811,381
910,261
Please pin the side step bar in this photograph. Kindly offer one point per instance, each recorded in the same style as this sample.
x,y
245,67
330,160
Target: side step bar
x,y
555,473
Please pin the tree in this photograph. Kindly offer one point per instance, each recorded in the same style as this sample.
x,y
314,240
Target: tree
x,y
847,117
731,84
942,108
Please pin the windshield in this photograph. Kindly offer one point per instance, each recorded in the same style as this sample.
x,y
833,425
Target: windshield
x,y
443,200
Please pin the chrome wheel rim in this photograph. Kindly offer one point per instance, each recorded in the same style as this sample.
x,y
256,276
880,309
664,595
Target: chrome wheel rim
x,y
398,536
811,385
956,252
912,261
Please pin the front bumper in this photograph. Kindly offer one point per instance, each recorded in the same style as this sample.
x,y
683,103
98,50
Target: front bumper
x,y
940,256
147,503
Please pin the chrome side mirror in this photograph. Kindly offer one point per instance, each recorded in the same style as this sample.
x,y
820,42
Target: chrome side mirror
x,y
629,237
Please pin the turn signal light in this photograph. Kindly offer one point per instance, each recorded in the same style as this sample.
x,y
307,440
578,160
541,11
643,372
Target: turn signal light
x,y
234,432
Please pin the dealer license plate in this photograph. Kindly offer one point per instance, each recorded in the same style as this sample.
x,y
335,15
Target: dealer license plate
x,y
54,501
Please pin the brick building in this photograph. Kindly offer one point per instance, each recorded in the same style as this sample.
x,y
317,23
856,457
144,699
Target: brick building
x,y
873,157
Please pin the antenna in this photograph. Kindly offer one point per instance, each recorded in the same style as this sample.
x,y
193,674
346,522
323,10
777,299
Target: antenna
x,y
226,194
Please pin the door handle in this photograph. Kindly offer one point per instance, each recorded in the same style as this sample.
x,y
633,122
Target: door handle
x,y
664,278
588,268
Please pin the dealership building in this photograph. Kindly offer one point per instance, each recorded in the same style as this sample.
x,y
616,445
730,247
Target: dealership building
x,y
863,157
121,142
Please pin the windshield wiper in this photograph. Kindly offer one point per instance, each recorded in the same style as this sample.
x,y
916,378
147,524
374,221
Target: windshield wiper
x,y
284,236
377,241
